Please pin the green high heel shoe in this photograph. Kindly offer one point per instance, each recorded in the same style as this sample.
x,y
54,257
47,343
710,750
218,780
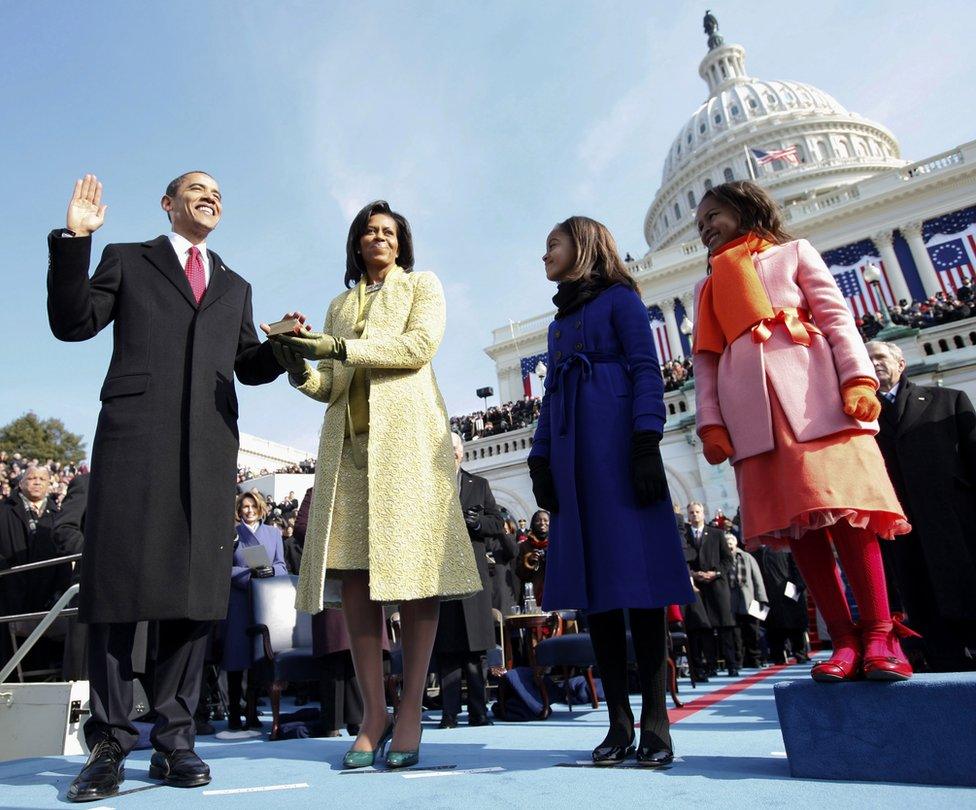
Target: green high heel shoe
x,y
404,759
364,759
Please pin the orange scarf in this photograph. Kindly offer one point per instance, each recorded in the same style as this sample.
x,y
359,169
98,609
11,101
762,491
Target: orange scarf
x,y
732,299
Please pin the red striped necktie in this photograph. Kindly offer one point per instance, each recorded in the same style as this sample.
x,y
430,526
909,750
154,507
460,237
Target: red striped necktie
x,y
195,274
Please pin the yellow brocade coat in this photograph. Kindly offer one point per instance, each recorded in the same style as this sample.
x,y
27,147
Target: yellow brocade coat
x,y
418,541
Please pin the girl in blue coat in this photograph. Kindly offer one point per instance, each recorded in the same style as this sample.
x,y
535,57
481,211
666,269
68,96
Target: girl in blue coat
x,y
596,466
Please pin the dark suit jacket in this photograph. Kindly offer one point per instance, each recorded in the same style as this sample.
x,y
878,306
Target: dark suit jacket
x,y
466,625
713,604
928,440
33,590
159,529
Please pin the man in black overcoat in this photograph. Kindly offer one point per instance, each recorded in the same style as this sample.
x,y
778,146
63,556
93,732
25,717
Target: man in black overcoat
x,y
26,536
465,630
69,538
710,564
928,440
787,618
159,525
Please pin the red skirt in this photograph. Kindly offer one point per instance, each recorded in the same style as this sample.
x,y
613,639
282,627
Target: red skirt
x,y
800,486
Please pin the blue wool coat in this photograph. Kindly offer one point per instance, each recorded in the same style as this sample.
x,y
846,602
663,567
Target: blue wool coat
x,y
238,646
604,382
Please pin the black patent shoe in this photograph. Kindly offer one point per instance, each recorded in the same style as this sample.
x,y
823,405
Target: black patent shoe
x,y
650,757
180,769
606,756
102,774
480,721
447,722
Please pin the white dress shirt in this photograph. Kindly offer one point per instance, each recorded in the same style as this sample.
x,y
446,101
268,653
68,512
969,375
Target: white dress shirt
x,y
182,247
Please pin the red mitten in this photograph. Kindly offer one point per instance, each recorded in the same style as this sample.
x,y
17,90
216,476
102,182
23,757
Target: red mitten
x,y
860,400
716,444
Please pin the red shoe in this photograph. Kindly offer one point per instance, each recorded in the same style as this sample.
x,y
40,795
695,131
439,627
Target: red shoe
x,y
883,656
844,664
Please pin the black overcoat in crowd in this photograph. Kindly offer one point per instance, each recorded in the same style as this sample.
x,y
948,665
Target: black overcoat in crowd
x,y
505,585
778,567
34,590
928,440
466,625
713,603
159,531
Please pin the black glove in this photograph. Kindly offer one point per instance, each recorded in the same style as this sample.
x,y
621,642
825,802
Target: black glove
x,y
262,572
647,467
472,517
543,486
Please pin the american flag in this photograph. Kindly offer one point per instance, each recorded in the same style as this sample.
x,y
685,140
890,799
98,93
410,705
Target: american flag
x,y
790,154
953,259
847,264
531,384
661,343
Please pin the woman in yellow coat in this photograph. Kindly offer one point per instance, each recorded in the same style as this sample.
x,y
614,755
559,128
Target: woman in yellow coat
x,y
386,519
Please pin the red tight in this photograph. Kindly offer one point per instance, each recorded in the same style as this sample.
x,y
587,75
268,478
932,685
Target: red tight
x,y
860,555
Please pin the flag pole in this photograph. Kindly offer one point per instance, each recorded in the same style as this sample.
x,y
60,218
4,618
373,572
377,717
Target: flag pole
x,y
749,166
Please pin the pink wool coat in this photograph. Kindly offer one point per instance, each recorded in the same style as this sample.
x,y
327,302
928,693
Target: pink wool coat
x,y
732,389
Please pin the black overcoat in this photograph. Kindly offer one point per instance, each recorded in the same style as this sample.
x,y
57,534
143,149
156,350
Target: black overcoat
x,y
159,528
778,567
713,602
928,440
33,590
466,625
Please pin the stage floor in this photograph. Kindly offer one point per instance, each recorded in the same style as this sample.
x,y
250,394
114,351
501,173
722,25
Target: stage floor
x,y
728,747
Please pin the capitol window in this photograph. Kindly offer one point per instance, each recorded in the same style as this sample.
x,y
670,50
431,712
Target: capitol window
x,y
677,212
753,103
718,119
689,137
770,98
708,184
735,109
729,176
701,129
691,199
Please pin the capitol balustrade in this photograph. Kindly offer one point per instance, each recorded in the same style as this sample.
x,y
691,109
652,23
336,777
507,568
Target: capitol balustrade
x,y
947,337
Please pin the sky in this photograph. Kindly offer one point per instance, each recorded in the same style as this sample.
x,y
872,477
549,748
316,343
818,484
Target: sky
x,y
484,123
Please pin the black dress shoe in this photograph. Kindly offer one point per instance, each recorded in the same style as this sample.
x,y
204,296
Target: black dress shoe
x,y
733,673
102,774
648,757
609,755
480,721
180,769
447,722
204,728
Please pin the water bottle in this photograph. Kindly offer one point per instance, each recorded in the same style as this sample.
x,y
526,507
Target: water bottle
x,y
530,605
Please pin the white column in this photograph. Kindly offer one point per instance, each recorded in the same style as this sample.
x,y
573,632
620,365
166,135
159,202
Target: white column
x,y
896,278
926,271
674,336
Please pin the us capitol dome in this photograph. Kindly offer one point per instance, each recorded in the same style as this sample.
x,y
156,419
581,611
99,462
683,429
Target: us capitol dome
x,y
745,121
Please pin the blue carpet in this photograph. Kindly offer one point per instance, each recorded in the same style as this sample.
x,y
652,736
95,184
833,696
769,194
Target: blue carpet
x,y
730,754
922,730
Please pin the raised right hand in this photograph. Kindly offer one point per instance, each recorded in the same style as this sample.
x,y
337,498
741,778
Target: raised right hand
x,y
86,214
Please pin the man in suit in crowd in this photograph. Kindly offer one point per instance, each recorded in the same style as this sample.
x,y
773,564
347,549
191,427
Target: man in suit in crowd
x,y
69,538
26,536
710,564
466,629
159,524
928,439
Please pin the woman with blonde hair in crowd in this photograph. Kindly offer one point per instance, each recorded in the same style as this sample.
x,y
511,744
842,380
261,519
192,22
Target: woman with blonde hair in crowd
x,y
251,510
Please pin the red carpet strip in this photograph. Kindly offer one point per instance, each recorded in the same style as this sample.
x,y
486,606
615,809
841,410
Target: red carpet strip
x,y
703,702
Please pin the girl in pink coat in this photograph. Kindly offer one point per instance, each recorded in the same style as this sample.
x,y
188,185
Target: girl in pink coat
x,y
786,392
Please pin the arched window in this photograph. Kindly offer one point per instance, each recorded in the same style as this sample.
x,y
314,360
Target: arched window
x,y
708,183
728,175
843,149
677,212
823,151
691,199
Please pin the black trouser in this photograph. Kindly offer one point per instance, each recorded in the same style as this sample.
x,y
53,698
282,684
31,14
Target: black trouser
x,y
704,652
450,666
776,638
178,650
340,699
608,633
747,652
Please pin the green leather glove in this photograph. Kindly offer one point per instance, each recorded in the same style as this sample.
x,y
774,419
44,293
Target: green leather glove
x,y
290,360
314,345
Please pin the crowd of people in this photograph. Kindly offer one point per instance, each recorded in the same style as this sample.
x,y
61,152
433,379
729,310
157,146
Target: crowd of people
x,y
936,310
497,419
306,467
